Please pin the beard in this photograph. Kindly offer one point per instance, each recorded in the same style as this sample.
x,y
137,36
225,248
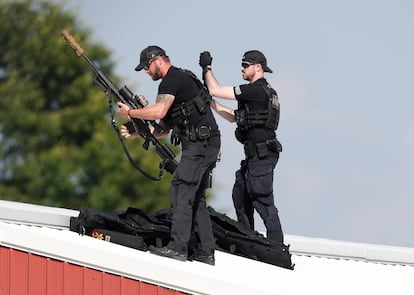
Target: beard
x,y
246,77
156,74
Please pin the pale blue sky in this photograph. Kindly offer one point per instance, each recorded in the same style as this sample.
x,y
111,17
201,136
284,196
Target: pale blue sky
x,y
343,71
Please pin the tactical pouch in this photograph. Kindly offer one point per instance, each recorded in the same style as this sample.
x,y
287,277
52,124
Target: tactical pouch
x,y
262,149
200,105
252,149
274,145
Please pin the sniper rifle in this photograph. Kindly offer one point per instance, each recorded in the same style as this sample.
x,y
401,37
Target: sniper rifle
x,y
143,127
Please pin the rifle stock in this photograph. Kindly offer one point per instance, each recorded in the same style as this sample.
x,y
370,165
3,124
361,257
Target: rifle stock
x,y
126,96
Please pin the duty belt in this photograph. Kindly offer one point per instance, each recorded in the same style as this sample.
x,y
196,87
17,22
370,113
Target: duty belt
x,y
202,133
193,134
262,149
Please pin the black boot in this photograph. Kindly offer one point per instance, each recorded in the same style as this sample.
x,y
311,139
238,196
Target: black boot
x,y
209,259
167,252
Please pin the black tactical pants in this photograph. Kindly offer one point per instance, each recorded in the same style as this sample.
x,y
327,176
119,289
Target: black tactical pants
x,y
253,189
187,196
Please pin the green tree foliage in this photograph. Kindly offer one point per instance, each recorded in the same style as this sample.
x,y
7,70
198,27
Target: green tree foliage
x,y
57,145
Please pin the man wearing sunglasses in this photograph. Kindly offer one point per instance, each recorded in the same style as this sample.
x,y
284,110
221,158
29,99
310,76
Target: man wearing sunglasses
x,y
183,106
257,119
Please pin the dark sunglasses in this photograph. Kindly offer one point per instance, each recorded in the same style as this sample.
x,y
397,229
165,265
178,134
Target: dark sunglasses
x,y
245,65
150,62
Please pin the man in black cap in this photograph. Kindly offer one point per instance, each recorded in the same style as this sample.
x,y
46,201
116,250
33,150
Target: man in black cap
x,y
257,119
183,105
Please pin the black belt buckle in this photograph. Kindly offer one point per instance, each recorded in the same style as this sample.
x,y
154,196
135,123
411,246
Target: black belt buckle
x,y
204,132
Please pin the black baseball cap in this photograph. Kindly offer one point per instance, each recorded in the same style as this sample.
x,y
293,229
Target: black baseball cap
x,y
256,57
147,54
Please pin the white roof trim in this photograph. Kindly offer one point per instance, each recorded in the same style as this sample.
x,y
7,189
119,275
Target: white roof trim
x,y
349,250
24,213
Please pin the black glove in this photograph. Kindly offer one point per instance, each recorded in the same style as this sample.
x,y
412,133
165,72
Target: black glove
x,y
205,60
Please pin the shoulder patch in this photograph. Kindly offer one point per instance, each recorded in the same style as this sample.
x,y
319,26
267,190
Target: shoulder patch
x,y
237,90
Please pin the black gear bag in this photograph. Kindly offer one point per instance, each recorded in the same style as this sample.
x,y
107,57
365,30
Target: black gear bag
x,y
133,228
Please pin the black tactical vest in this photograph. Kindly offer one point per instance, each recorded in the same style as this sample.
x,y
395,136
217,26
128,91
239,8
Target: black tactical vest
x,y
266,118
180,114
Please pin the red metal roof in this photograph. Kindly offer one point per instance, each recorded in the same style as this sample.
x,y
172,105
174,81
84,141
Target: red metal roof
x,y
23,273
